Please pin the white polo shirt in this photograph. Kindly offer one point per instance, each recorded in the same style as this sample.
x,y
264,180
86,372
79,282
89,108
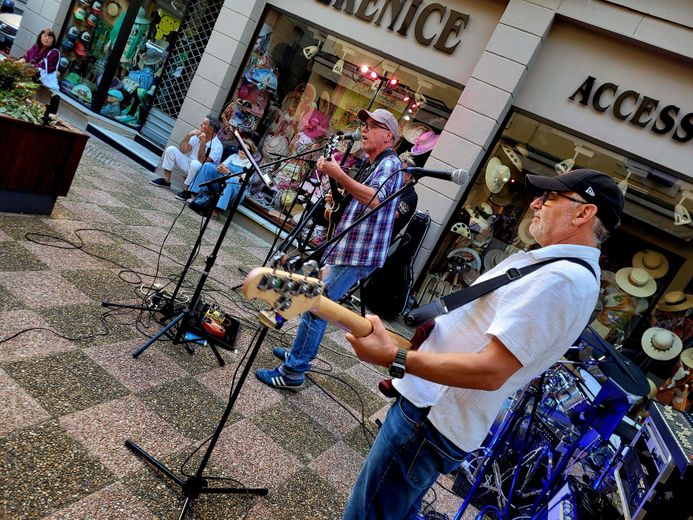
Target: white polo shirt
x,y
537,317
215,147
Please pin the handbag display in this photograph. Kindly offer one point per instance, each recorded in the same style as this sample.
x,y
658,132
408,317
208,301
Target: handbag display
x,y
50,79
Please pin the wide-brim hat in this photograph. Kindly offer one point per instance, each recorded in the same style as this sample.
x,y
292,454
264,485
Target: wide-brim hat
x,y
494,257
661,344
412,130
674,301
653,262
523,232
497,175
425,142
636,281
314,124
687,358
275,145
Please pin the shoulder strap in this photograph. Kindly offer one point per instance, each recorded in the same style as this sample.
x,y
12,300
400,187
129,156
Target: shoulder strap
x,y
471,293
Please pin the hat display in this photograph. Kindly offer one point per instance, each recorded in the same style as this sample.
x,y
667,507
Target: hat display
x,y
73,32
85,37
503,198
674,301
82,92
661,344
275,145
636,282
425,142
92,19
383,117
494,257
523,231
595,187
412,130
152,56
96,8
687,357
80,14
63,63
314,124
80,49
116,94
512,156
68,44
497,175
652,261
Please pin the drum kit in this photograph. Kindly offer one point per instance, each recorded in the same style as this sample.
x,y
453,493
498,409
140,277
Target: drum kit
x,y
560,424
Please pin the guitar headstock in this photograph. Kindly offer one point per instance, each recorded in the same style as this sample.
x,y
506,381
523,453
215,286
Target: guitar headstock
x,y
331,146
289,294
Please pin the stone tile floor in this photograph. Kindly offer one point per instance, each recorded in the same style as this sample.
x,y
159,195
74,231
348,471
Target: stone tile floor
x,y
71,392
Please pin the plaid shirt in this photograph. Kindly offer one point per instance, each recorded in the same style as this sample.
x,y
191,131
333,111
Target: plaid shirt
x,y
367,243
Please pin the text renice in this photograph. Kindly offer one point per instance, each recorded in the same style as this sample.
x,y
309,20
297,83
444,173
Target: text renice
x,y
412,17
639,110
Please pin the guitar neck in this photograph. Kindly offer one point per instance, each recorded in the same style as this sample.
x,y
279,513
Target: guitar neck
x,y
348,320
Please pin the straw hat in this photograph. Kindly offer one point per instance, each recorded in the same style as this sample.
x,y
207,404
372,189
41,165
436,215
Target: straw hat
x,y
497,175
675,301
412,131
494,257
425,142
687,358
653,388
636,281
652,261
661,344
275,145
523,232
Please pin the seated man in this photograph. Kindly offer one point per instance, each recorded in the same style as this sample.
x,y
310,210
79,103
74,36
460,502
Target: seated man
x,y
197,147
235,163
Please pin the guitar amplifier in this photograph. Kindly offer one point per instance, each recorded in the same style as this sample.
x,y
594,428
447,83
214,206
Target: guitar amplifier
x,y
655,471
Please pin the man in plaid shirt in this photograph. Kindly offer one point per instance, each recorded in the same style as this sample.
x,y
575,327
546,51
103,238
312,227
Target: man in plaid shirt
x,y
360,251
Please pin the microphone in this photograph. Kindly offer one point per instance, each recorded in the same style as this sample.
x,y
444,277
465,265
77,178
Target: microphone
x,y
354,136
458,176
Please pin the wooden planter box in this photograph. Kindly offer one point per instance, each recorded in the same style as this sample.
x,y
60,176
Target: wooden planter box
x,y
37,164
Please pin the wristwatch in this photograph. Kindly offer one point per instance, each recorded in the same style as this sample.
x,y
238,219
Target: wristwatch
x,y
399,365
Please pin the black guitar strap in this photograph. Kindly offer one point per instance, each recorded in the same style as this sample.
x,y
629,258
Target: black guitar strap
x,y
468,294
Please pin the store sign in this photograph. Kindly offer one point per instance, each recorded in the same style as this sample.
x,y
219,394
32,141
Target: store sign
x,y
445,39
638,109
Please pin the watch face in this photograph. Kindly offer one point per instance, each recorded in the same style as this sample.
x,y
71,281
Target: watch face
x,y
397,370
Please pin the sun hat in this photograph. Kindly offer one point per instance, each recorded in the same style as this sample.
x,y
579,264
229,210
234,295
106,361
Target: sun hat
x,y
652,261
314,124
275,145
497,175
674,301
412,130
383,117
425,143
687,357
636,281
523,232
661,344
595,187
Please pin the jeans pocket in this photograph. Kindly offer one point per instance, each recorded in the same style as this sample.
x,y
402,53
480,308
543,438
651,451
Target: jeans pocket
x,y
429,462
413,415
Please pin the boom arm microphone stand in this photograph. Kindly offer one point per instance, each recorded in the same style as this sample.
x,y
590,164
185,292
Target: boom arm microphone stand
x,y
194,486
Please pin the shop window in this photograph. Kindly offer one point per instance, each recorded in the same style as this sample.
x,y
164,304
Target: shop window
x,y
493,223
115,74
300,85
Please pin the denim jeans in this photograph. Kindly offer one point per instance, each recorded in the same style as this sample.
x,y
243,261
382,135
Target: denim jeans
x,y
405,461
209,172
338,280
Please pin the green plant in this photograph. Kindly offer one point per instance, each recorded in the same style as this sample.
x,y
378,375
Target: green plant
x,y
18,87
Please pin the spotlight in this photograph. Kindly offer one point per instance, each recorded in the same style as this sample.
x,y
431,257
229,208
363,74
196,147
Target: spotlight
x,y
373,75
406,98
394,81
365,69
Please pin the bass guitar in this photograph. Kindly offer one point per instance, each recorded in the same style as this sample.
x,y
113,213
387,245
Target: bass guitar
x,y
334,211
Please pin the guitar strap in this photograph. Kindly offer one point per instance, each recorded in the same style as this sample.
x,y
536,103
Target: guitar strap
x,y
471,293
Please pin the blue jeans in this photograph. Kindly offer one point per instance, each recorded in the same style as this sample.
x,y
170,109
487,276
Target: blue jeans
x,y
209,172
405,461
338,280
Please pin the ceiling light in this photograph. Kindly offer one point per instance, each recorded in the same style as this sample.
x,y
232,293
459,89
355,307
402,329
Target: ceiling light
x,y
310,51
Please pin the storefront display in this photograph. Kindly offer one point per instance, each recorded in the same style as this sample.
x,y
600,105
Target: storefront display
x,y
114,75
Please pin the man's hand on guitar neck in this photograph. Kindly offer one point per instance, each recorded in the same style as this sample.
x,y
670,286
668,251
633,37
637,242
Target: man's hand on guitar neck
x,y
331,168
376,348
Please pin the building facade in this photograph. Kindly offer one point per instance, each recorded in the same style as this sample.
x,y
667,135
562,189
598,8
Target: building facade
x,y
497,88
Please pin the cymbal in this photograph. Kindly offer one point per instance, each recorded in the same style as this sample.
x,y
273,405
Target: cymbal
x,y
615,365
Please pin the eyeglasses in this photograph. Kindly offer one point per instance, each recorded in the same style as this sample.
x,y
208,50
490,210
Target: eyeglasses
x,y
370,126
545,197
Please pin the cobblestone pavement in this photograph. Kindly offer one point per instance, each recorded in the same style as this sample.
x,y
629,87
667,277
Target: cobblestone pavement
x,y
72,394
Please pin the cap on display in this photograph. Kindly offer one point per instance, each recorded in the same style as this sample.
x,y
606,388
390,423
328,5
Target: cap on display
x,y
96,8
80,49
80,14
68,45
73,33
92,19
85,37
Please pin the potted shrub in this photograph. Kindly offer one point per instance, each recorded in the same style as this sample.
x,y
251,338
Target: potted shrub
x,y
38,154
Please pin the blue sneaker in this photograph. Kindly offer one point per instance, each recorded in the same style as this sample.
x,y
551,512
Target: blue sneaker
x,y
282,355
276,379
161,182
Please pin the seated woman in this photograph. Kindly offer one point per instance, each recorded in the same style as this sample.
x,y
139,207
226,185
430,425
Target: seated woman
x,y
45,43
235,163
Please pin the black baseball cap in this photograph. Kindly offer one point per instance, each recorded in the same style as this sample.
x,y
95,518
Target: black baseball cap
x,y
595,187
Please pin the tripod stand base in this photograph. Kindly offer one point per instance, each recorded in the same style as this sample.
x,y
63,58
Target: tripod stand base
x,y
194,486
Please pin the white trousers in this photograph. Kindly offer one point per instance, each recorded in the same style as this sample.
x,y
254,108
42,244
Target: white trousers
x,y
174,158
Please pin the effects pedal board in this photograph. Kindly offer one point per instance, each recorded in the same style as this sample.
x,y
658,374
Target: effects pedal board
x,y
216,326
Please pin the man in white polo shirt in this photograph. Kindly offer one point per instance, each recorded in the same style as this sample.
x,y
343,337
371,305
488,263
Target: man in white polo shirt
x,y
452,388
197,147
